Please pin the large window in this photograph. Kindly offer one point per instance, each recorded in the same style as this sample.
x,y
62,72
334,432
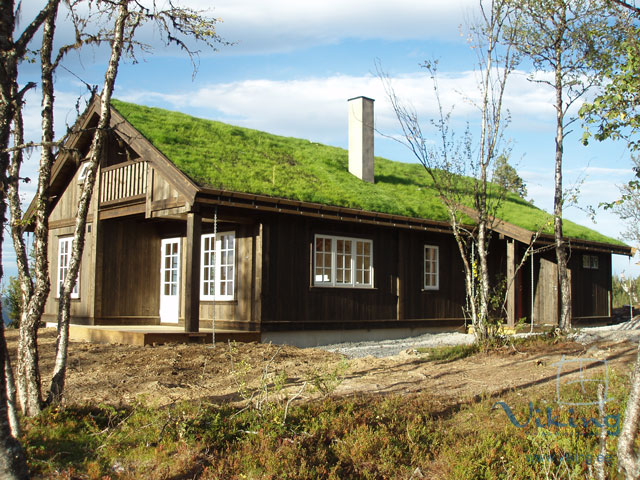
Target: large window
x,y
217,274
342,262
64,258
431,268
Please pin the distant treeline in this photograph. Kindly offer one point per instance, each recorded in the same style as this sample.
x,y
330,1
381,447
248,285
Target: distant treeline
x,y
620,296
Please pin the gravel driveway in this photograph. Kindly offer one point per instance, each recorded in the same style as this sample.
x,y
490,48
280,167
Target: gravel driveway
x,y
385,348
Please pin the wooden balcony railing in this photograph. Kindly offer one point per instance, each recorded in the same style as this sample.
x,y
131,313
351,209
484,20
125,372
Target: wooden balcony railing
x,y
123,181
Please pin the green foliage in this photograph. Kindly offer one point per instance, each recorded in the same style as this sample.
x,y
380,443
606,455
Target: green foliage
x,y
325,381
12,299
620,287
358,437
223,156
614,112
505,175
449,353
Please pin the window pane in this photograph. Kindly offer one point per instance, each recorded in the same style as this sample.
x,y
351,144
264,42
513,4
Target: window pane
x,y
430,267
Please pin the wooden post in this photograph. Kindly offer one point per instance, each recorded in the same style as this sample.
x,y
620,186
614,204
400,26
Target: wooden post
x,y
400,279
511,280
192,277
256,281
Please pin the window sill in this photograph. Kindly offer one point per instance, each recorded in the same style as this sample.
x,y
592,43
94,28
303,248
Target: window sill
x,y
340,287
427,290
210,301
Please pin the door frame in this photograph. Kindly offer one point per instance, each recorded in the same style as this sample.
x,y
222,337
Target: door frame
x,y
170,304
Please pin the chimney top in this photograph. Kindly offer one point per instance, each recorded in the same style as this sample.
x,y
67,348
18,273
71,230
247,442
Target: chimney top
x,y
361,138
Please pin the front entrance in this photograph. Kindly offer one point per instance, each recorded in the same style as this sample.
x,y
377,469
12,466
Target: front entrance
x,y
170,280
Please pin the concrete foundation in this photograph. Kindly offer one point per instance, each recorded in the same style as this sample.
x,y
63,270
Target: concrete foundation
x,y
315,338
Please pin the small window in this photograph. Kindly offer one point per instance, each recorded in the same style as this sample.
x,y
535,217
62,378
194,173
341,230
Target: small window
x,y
431,267
84,170
590,262
342,262
218,266
64,258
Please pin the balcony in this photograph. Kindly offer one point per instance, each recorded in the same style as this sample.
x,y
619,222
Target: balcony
x,y
123,182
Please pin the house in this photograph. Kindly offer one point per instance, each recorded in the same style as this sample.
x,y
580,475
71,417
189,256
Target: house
x,y
195,221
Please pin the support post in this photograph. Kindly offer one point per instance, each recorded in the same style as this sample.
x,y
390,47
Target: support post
x,y
400,279
511,283
192,274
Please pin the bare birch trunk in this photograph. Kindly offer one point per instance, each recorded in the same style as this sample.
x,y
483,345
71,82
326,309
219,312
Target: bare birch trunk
x,y
13,464
26,286
57,382
35,296
12,408
628,459
561,251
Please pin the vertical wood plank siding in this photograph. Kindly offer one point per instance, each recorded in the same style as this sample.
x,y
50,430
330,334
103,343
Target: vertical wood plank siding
x,y
590,287
290,301
123,181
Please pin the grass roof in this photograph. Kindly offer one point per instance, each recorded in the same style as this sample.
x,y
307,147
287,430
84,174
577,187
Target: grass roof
x,y
223,156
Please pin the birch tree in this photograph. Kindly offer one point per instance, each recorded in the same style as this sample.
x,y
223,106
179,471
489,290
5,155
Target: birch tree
x,y
564,40
454,157
176,25
615,115
13,48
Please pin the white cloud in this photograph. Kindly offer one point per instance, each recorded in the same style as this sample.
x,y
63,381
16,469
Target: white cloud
x,y
284,25
315,107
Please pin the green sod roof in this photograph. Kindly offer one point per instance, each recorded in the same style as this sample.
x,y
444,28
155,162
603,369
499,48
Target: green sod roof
x,y
222,156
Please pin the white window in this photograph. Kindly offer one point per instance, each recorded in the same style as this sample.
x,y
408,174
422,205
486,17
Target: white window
x,y
84,170
64,258
218,266
590,261
342,262
431,267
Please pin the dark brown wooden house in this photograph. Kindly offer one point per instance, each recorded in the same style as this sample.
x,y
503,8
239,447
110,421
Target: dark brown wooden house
x,y
194,221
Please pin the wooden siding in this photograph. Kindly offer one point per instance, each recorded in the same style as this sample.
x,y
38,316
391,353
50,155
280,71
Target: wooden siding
x,y
123,181
447,301
82,307
292,302
546,303
130,278
162,195
130,275
66,207
590,287
237,313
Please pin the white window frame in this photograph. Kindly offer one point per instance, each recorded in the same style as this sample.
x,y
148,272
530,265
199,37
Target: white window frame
x,y
354,268
437,269
217,266
84,170
64,258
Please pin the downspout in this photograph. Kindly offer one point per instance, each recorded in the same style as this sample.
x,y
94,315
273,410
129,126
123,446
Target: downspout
x,y
215,287
532,292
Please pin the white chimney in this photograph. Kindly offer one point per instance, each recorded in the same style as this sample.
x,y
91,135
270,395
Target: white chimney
x,y
361,138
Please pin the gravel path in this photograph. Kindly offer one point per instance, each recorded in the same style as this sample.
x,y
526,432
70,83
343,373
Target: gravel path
x,y
387,348
623,331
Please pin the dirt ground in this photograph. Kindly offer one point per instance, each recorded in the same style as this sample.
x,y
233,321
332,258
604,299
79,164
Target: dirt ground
x,y
159,375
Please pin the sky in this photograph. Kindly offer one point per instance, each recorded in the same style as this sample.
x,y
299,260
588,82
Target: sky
x,y
291,66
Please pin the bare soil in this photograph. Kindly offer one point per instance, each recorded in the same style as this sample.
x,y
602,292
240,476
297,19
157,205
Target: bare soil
x,y
159,375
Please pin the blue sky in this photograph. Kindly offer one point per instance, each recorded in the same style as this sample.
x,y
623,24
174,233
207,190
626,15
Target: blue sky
x,y
294,64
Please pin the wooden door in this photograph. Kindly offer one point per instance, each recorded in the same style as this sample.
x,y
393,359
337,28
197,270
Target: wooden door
x,y
546,301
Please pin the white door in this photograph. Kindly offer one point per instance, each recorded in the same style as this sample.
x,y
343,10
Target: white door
x,y
170,280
